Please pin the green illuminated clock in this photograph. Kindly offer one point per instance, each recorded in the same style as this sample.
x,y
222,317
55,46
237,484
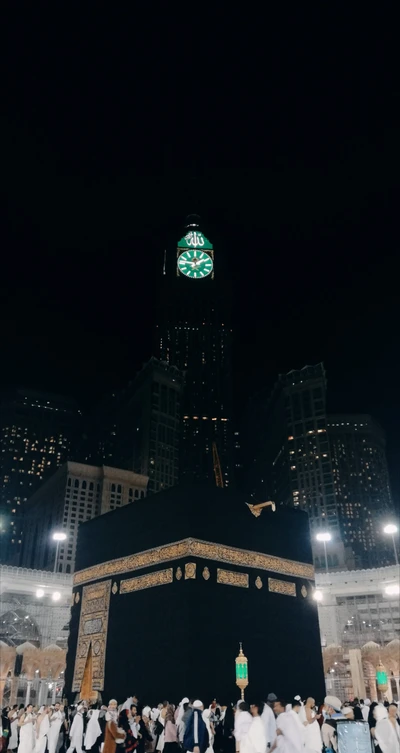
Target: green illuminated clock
x,y
195,264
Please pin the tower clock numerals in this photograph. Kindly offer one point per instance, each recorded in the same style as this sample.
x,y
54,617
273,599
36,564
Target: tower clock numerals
x,y
195,264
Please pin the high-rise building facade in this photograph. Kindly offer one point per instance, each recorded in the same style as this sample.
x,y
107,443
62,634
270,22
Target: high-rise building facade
x,y
38,432
295,463
333,466
148,425
194,334
75,493
358,447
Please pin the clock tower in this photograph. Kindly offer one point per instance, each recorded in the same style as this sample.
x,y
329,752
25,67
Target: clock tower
x,y
194,334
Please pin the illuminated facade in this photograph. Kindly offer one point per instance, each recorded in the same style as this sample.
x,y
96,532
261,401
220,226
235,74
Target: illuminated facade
x,y
332,466
294,464
37,434
358,447
75,494
356,614
194,334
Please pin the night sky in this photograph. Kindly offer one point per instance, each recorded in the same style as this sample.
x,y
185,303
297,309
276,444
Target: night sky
x,y
284,138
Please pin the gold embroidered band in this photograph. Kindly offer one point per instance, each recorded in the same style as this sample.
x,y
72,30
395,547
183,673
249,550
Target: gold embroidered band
x,y
281,587
195,547
93,626
232,578
159,578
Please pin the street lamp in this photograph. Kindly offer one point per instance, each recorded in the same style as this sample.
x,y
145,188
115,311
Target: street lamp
x,y
58,536
324,537
391,529
39,593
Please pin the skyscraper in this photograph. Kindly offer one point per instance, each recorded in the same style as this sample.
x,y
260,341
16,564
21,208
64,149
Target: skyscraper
x,y
295,462
148,425
75,493
37,434
194,334
358,447
333,466
138,428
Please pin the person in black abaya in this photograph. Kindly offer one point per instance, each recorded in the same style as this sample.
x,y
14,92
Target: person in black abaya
x,y
228,724
372,725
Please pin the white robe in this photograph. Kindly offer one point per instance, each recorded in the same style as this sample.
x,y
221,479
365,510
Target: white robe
x,y
255,740
27,735
206,719
179,724
56,720
93,729
387,736
41,735
313,738
76,734
268,718
365,712
301,728
13,742
243,721
128,703
290,741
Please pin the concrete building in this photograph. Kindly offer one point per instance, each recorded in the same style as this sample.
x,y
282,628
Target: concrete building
x,y
38,433
42,619
77,492
332,466
358,447
138,428
34,624
359,617
293,463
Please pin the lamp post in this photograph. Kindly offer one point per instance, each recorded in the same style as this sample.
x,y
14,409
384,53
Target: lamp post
x,y
391,529
324,537
58,536
242,676
381,678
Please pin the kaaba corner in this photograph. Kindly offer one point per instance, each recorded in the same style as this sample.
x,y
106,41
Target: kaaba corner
x,y
166,588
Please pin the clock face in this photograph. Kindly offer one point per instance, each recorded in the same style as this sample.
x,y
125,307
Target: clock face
x,y
195,264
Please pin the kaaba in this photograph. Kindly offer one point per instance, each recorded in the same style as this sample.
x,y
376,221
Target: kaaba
x,y
166,588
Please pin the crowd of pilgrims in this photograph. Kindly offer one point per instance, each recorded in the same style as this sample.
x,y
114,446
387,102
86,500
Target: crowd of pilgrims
x,y
189,727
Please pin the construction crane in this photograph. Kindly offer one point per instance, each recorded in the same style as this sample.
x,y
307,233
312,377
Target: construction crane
x,y
217,467
257,509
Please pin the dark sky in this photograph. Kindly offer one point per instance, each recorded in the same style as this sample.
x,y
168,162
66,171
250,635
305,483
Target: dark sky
x,y
283,136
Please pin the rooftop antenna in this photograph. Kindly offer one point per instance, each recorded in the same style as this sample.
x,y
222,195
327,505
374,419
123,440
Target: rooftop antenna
x,y
192,221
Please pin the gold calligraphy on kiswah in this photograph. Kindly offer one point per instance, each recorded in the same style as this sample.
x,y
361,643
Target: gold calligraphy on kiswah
x,y
93,627
195,547
232,578
158,578
284,587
